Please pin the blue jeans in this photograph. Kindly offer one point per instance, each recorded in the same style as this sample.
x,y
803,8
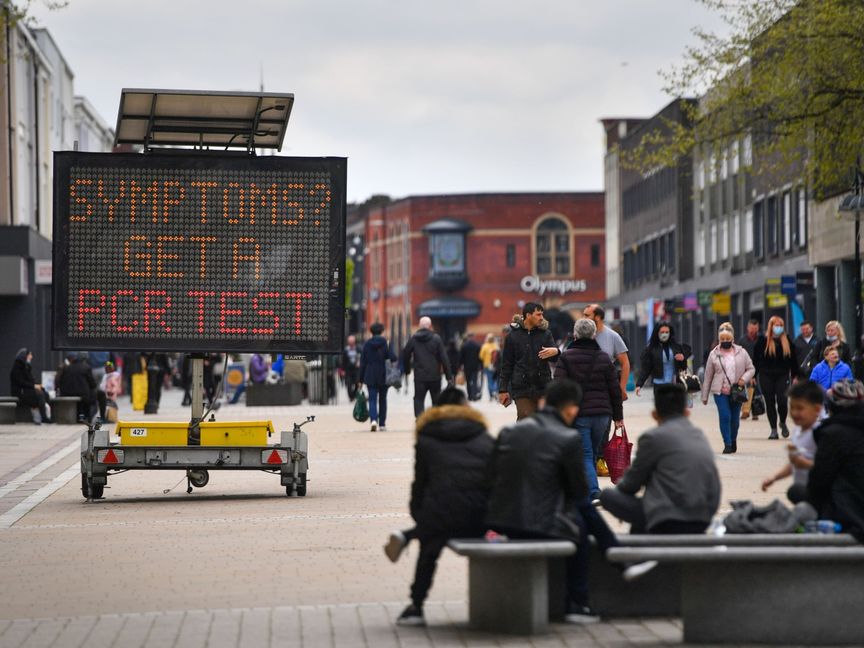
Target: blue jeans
x,y
378,403
592,429
491,382
730,417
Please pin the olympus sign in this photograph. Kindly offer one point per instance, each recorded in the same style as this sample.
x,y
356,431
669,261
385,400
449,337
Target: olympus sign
x,y
534,284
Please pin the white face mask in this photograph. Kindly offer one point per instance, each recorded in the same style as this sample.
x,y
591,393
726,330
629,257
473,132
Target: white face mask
x,y
664,337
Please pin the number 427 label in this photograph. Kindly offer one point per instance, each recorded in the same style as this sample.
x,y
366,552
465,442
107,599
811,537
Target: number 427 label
x,y
138,432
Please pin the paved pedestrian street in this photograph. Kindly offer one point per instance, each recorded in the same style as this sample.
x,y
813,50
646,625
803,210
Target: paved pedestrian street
x,y
238,563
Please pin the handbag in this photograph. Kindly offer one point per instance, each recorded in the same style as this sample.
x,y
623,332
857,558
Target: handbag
x,y
690,381
757,407
392,375
361,410
738,393
617,454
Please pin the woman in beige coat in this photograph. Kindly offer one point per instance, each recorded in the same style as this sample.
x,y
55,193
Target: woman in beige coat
x,y
728,365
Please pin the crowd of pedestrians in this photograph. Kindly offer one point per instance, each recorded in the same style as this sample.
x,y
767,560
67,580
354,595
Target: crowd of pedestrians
x,y
537,479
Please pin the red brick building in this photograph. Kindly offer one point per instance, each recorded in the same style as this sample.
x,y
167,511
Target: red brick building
x,y
471,261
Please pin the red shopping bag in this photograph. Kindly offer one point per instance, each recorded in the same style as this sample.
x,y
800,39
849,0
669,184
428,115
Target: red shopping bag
x,y
617,454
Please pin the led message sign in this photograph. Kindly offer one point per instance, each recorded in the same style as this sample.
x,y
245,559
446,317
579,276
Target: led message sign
x,y
198,252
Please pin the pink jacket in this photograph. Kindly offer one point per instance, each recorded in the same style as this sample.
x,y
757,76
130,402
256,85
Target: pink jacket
x,y
714,378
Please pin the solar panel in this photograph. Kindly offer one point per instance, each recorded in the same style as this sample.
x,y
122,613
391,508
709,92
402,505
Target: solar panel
x,y
203,119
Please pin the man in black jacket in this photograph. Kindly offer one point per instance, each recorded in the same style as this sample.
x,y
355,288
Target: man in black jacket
x,y
76,379
835,486
425,351
806,349
469,360
526,368
539,491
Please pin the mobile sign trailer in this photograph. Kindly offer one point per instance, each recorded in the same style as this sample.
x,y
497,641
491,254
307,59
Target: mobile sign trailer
x,y
197,251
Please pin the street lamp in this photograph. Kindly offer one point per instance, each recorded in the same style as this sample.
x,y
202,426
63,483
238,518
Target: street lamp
x,y
854,202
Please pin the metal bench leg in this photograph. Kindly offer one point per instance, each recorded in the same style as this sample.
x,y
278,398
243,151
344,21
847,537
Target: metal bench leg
x,y
508,596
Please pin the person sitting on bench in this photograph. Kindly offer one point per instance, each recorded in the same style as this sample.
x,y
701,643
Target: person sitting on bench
x,y
76,379
540,492
25,387
676,466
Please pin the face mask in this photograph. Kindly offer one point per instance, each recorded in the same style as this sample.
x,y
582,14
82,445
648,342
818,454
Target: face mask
x,y
726,345
778,330
831,338
664,337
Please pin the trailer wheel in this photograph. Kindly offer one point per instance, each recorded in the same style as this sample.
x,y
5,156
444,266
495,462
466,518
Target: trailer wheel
x,y
301,487
199,478
91,490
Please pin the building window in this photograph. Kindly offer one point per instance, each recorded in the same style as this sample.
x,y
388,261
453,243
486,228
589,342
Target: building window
x,y
771,220
736,235
802,217
748,231
552,245
595,255
712,244
724,239
786,215
758,230
672,253
700,248
511,256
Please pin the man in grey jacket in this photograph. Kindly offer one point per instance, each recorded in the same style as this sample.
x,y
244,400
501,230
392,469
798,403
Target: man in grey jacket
x,y
676,466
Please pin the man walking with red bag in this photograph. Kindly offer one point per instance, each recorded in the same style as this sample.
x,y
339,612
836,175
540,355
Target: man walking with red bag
x,y
676,466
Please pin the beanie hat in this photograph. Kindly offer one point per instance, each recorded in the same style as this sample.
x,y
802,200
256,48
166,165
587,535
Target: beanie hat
x,y
846,392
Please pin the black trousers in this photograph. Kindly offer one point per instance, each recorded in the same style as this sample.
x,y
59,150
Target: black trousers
x,y
774,385
424,571
421,387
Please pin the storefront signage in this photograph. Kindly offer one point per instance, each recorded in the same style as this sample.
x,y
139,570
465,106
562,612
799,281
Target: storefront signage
x,y
721,303
534,284
705,297
198,252
691,302
788,285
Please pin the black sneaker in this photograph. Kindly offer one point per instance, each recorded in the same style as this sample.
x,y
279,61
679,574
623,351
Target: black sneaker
x,y
784,430
580,615
411,616
773,434
727,449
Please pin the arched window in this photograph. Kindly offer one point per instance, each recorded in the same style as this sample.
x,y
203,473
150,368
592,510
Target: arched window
x,y
552,254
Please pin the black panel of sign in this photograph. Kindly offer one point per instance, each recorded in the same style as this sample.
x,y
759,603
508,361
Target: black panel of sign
x,y
198,252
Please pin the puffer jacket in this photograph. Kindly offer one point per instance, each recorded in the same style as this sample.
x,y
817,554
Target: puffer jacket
x,y
651,361
425,352
585,363
449,493
537,474
523,373
715,377
835,486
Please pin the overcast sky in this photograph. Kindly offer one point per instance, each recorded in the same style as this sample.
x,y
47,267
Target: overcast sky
x,y
451,96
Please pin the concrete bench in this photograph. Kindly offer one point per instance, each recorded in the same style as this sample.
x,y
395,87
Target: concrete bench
x,y
23,413
279,394
7,413
508,584
801,594
658,593
64,409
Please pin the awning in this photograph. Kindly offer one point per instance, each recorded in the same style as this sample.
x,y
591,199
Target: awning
x,y
449,307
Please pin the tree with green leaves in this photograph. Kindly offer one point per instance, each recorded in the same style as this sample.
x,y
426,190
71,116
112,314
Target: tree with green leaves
x,y
788,73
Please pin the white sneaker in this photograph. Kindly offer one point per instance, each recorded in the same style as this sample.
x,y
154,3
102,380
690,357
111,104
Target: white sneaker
x,y
395,545
374,427
638,570
383,428
581,615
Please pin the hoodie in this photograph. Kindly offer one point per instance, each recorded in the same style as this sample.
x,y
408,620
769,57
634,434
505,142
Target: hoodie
x,y
523,373
372,361
425,352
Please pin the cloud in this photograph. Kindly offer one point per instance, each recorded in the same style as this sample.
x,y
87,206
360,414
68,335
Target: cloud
x,y
440,97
